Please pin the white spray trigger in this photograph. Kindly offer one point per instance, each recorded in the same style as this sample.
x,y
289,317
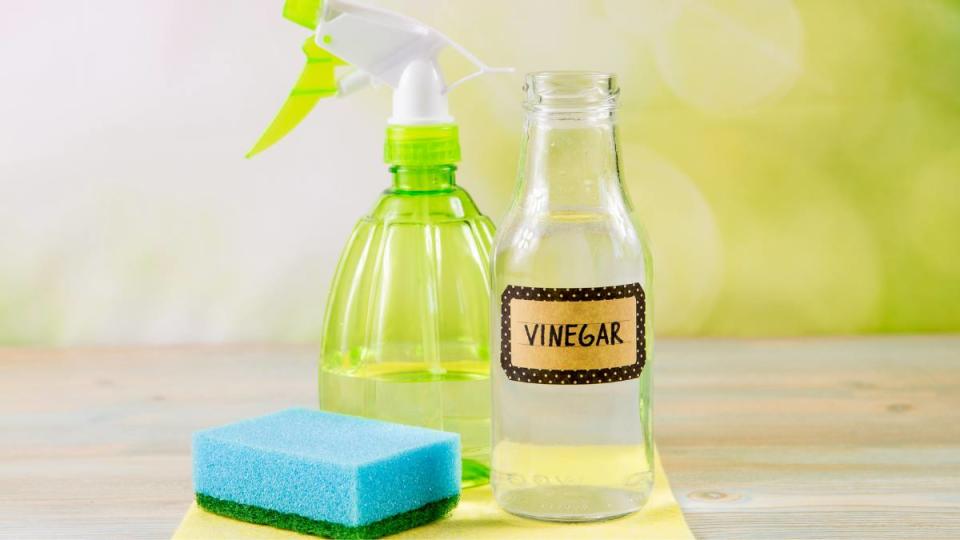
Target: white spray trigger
x,y
396,50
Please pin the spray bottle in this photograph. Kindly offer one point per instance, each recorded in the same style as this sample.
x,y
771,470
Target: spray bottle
x,y
406,330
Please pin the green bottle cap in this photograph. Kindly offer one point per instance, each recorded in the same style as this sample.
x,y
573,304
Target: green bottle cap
x,y
418,146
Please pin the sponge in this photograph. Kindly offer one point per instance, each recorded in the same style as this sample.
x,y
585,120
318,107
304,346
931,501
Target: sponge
x,y
327,474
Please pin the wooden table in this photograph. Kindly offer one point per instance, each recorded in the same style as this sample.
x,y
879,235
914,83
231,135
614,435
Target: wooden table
x,y
831,438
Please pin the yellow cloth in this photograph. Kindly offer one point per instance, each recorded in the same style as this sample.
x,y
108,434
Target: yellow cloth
x,y
478,516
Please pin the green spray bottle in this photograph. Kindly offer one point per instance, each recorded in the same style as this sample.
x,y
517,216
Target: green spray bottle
x,y
406,329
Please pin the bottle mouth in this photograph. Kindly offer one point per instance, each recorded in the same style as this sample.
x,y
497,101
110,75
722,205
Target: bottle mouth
x,y
570,91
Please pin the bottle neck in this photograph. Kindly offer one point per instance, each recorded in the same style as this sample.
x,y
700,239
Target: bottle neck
x,y
570,162
423,179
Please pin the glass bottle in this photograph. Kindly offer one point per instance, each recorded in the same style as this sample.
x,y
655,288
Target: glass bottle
x,y
406,331
571,322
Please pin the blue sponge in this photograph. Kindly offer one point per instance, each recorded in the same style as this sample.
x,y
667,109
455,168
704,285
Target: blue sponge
x,y
327,474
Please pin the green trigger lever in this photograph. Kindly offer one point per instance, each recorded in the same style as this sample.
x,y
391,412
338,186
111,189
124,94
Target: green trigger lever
x,y
317,80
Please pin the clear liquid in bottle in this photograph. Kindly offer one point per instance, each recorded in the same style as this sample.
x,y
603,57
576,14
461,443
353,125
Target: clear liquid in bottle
x,y
571,323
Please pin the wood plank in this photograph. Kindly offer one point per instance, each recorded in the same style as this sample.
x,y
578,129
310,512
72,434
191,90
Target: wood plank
x,y
826,438
834,438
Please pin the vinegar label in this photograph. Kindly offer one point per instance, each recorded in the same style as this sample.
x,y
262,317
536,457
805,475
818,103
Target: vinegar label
x,y
572,336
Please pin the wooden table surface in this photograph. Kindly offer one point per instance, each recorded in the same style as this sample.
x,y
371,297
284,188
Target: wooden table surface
x,y
831,438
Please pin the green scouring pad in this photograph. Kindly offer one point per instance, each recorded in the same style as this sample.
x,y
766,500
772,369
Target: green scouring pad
x,y
327,474
293,522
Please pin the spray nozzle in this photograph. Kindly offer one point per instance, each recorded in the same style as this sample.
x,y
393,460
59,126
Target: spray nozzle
x,y
384,47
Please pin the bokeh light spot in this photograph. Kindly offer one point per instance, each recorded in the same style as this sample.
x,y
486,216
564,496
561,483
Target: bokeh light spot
x,y
726,55
687,253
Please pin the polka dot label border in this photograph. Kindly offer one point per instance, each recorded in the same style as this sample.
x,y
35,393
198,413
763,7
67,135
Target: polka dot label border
x,y
572,376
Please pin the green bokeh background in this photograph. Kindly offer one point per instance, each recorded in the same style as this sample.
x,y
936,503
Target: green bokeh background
x,y
797,162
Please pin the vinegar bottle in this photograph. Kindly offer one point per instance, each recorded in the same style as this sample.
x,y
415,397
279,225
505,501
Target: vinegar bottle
x,y
571,321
